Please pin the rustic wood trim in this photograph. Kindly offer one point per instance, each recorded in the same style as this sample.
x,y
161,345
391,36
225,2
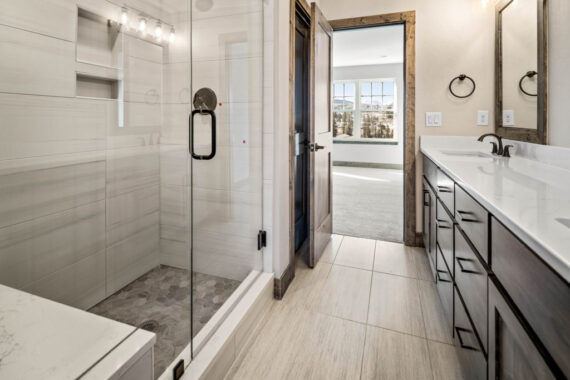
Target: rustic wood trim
x,y
419,239
540,134
408,19
280,285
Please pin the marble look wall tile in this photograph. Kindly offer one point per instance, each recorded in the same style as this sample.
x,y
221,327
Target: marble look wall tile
x,y
31,15
143,116
175,122
176,82
36,126
131,258
80,285
235,80
174,206
132,205
143,81
31,194
175,253
142,49
32,250
131,169
35,64
179,50
174,165
228,37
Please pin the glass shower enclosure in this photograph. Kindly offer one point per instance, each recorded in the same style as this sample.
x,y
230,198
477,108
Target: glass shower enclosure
x,y
103,206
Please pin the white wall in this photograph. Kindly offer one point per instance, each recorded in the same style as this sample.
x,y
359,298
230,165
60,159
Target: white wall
x,y
369,153
558,78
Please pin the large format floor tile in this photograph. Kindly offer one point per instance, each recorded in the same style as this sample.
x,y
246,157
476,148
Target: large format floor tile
x,y
300,344
356,252
395,304
345,294
392,355
341,322
437,326
444,362
394,258
331,249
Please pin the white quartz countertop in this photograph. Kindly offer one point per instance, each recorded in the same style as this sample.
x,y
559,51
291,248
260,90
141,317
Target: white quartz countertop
x,y
42,339
528,192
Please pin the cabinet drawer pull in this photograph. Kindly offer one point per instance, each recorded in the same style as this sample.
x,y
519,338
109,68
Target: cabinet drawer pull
x,y
442,224
460,264
443,189
426,203
463,216
439,271
459,330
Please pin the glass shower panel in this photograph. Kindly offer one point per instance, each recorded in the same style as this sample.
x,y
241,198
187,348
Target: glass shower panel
x,y
227,51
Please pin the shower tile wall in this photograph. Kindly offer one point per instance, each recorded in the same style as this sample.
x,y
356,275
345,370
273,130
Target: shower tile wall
x,y
85,205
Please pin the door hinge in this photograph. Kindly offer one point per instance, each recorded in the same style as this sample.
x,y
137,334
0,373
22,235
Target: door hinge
x,y
261,240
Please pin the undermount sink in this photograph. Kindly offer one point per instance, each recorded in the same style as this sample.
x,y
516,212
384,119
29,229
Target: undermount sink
x,y
465,153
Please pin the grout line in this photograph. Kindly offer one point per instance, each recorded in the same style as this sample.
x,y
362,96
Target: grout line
x,y
368,312
425,329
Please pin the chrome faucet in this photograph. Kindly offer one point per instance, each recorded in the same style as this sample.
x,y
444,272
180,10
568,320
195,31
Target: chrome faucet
x,y
496,150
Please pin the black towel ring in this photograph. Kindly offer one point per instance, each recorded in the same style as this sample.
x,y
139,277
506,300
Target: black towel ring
x,y
462,77
529,74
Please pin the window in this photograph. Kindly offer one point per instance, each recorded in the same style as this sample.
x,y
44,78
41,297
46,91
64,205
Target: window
x,y
372,116
343,109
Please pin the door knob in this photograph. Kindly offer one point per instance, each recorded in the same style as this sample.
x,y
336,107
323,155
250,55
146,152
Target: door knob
x,y
315,147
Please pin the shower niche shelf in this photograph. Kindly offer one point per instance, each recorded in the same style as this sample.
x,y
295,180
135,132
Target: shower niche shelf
x,y
94,87
99,41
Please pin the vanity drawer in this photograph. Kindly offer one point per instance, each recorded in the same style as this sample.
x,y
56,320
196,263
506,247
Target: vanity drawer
x,y
471,280
541,296
444,224
445,189
474,221
444,284
469,352
430,171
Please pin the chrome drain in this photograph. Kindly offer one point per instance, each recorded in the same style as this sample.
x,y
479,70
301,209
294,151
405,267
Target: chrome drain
x,y
150,325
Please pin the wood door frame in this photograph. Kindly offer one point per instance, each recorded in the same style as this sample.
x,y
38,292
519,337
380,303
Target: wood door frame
x,y
408,20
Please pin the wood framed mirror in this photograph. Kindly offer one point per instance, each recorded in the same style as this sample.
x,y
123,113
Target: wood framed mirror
x,y
521,70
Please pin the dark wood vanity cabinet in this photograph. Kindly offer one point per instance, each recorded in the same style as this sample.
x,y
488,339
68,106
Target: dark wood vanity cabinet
x,y
508,311
514,354
428,224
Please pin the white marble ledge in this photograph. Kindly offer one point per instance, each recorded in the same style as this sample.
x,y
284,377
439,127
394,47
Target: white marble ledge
x,y
42,339
528,192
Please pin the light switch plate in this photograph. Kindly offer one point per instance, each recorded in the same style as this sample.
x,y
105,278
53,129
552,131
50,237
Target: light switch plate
x,y
508,118
433,119
482,117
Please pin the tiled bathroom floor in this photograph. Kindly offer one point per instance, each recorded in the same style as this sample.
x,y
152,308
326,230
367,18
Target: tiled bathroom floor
x,y
369,310
159,301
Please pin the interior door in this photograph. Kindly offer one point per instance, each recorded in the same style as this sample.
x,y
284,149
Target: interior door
x,y
320,134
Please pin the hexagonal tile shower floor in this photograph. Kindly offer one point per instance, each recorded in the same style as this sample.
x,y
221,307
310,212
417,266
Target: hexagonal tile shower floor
x,y
159,301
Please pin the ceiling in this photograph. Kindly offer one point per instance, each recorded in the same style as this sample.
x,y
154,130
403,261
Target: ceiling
x,y
369,46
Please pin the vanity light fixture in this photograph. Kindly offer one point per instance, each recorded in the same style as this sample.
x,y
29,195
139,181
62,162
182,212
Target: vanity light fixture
x,y
142,25
124,16
158,31
171,36
484,3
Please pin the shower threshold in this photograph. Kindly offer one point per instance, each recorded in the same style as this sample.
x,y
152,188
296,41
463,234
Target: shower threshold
x,y
159,301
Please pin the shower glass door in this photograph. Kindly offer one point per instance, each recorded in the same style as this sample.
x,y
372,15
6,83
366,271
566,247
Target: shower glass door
x,y
226,167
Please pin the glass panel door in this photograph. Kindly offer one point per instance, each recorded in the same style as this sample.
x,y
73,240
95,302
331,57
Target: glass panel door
x,y
226,166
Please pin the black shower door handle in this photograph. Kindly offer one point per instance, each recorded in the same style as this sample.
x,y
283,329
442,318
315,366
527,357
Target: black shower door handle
x,y
191,135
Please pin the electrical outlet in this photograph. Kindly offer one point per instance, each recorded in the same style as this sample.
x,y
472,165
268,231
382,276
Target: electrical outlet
x,y
482,117
433,119
508,118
